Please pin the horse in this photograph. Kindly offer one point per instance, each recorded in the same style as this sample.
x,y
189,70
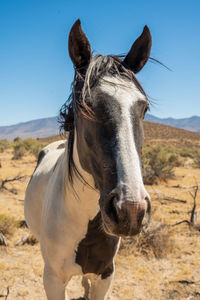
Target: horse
x,y
87,191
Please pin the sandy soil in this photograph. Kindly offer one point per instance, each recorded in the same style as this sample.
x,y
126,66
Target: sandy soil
x,y
172,273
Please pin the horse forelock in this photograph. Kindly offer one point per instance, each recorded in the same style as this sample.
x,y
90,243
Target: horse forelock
x,y
82,86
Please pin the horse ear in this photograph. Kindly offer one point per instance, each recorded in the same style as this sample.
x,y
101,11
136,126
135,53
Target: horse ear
x,y
79,46
140,51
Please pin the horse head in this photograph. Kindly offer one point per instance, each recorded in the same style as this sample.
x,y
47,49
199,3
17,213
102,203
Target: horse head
x,y
108,108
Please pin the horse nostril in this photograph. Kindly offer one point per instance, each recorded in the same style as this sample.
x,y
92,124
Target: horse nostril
x,y
111,208
140,217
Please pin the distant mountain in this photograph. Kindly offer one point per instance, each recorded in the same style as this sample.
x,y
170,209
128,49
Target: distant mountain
x,y
192,123
50,126
35,129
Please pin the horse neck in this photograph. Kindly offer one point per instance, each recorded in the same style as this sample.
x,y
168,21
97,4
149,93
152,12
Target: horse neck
x,y
80,196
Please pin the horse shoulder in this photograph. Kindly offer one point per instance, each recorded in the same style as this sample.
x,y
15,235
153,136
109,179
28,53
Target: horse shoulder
x,y
38,183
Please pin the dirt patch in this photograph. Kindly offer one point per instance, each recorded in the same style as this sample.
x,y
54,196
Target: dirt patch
x,y
140,273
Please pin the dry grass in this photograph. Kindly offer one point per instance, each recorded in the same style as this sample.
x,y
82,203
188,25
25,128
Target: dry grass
x,y
154,265
157,240
7,224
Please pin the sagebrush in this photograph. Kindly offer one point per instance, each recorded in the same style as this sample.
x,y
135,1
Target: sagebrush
x,y
20,147
158,163
4,144
157,240
7,224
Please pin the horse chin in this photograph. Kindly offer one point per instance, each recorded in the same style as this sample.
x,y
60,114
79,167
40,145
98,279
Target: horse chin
x,y
108,231
111,230
121,234
122,231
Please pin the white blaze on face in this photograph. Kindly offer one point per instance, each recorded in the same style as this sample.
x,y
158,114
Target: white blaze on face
x,y
128,162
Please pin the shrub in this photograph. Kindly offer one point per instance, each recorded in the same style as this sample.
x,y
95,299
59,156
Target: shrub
x,y
17,139
186,152
30,145
33,146
7,224
4,144
156,240
197,159
19,149
158,163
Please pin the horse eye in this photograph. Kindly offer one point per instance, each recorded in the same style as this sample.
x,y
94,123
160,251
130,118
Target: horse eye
x,y
145,110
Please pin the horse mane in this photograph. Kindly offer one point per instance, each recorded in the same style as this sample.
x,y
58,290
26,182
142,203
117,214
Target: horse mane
x,y
82,85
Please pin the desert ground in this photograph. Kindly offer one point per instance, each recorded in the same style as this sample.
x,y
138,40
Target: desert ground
x,y
161,263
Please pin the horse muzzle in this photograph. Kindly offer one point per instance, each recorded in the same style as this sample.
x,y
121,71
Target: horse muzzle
x,y
124,217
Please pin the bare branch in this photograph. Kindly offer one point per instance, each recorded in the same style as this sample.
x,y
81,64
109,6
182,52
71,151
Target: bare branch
x,y
174,200
6,296
186,187
193,217
194,213
7,180
163,196
3,241
26,239
184,221
8,291
186,281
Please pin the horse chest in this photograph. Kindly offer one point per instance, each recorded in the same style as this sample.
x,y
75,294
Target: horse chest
x,y
96,251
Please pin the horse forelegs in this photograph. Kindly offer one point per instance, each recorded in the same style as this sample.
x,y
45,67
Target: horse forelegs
x,y
54,286
100,288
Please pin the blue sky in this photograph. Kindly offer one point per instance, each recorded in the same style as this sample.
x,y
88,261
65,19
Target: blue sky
x,y
36,71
